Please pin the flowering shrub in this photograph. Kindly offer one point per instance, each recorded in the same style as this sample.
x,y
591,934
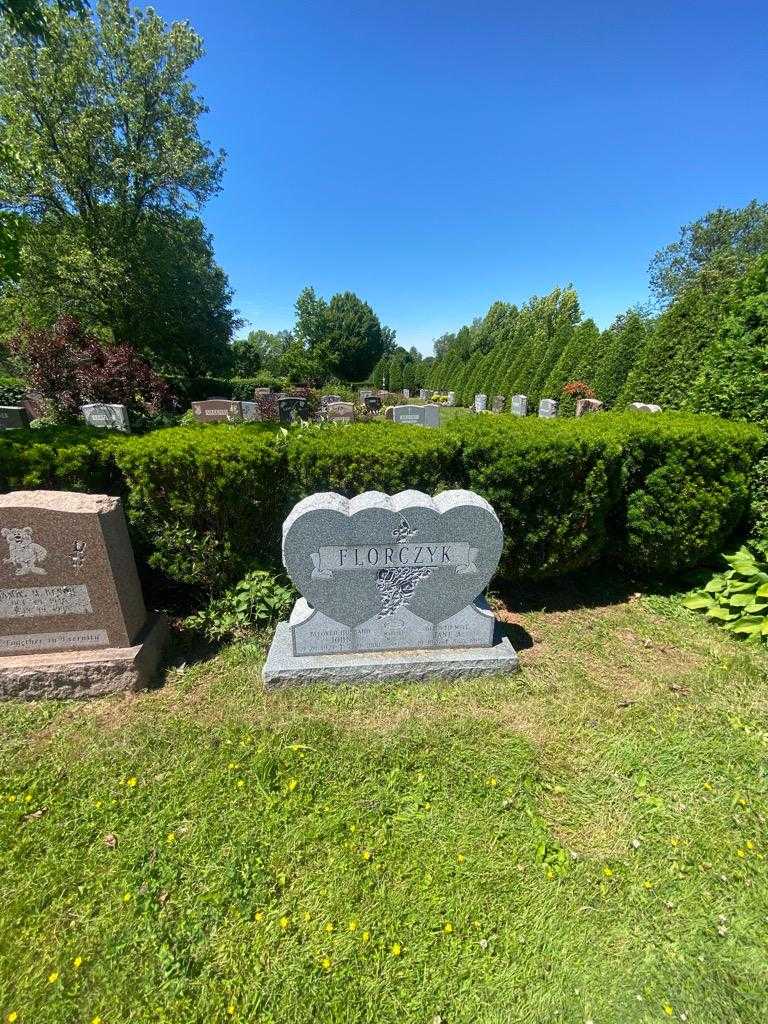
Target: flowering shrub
x,y
70,367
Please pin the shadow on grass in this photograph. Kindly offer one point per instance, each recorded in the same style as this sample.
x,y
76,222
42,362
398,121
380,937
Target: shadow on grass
x,y
593,588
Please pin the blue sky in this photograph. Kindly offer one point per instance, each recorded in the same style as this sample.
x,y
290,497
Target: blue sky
x,y
434,157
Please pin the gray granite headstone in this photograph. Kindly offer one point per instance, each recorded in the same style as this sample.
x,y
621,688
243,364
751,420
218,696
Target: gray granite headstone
x,y
249,411
547,408
498,403
588,405
340,412
451,399
645,407
481,402
420,415
423,395
111,417
291,409
13,417
378,574
362,394
519,405
406,393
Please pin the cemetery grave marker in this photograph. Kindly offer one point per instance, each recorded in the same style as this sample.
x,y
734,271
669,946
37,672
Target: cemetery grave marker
x,y
391,587
519,405
104,415
423,395
72,616
214,410
587,405
548,408
451,399
292,408
372,403
481,401
340,412
498,403
13,417
645,407
420,415
406,393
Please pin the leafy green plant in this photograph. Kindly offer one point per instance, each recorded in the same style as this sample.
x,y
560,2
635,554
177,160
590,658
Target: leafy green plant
x,y
257,601
738,597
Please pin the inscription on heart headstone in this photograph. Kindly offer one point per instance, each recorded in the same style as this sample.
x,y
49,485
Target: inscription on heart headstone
x,y
391,573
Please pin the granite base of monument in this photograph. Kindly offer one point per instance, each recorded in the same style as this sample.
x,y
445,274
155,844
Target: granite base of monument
x,y
85,673
284,668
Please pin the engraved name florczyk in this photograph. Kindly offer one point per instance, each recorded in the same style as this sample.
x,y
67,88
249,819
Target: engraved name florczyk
x,y
459,556
29,602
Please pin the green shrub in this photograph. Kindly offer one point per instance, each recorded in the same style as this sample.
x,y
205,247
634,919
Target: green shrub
x,y
206,505
77,458
684,487
551,486
738,598
12,390
257,601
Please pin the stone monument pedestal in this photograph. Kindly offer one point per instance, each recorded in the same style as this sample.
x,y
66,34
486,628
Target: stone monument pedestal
x,y
284,668
88,673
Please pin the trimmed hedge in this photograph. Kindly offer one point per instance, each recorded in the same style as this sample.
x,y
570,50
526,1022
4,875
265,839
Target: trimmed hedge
x,y
656,493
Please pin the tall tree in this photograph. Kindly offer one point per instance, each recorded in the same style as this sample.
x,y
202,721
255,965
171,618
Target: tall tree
x,y
102,122
717,246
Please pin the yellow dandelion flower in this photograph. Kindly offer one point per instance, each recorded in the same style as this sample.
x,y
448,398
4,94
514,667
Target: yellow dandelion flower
x,y
292,784
329,927
77,962
448,927
749,844
132,781
127,897
240,783
740,853
461,858
53,977
98,803
326,963
395,949
352,926
366,854
284,922
170,838
647,884
12,1016
231,765
366,936
353,828
491,782
258,916
742,801
231,1009
607,872
28,798
667,1009
707,785
96,1020
307,916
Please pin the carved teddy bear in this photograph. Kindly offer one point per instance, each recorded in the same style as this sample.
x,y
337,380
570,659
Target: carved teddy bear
x,y
24,553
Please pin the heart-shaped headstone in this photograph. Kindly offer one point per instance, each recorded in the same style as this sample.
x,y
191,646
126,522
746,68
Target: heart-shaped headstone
x,y
373,556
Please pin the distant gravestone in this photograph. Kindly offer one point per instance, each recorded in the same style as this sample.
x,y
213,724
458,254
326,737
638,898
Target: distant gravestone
x,y
340,412
110,417
213,410
423,395
389,574
72,616
328,399
249,411
389,412
261,391
419,415
587,405
362,394
13,417
372,403
498,403
645,407
451,399
548,408
292,408
406,393
481,402
519,405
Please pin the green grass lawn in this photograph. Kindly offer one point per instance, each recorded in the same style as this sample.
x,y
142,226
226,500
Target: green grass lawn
x,y
585,841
